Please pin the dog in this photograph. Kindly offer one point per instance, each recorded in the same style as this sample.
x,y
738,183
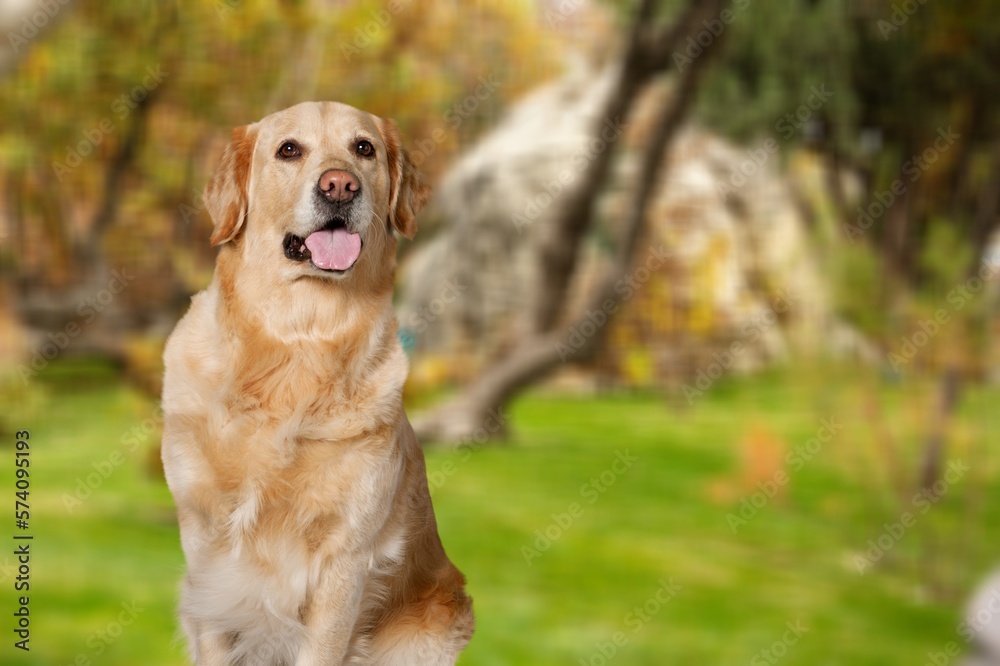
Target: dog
x,y
301,490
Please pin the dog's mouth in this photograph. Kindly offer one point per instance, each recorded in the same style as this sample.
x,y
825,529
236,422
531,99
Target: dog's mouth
x,y
333,247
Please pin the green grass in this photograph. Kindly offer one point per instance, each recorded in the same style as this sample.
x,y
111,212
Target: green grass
x,y
658,522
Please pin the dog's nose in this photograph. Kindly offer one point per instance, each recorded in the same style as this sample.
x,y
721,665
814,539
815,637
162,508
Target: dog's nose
x,y
339,185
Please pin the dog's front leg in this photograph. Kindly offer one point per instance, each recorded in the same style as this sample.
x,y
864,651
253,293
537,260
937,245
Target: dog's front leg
x,y
212,650
207,648
331,614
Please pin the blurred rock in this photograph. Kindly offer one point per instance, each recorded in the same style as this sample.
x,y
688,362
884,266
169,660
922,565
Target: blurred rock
x,y
982,620
719,266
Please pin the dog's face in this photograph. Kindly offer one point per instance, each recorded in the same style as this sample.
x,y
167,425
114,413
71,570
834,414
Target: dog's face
x,y
315,191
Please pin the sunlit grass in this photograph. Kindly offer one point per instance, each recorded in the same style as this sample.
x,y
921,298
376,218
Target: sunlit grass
x,y
662,522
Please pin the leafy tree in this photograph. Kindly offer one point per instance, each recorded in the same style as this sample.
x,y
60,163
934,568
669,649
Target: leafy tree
x,y
113,115
901,75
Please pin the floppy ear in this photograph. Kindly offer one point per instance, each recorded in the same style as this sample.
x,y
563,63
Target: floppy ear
x,y
407,190
226,193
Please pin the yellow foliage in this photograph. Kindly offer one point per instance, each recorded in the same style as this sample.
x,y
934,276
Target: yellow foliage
x,y
639,369
428,373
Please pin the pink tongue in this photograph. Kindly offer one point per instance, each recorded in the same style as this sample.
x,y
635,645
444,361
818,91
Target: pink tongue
x,y
335,249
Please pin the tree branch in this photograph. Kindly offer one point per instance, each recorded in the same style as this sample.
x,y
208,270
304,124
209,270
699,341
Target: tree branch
x,y
648,54
88,251
539,353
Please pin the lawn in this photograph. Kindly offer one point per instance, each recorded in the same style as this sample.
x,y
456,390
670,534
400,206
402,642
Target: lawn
x,y
607,530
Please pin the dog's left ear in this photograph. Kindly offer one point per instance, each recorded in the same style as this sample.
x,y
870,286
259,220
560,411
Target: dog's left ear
x,y
226,195
407,190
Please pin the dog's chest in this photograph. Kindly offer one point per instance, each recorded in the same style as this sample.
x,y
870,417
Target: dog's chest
x,y
280,440
292,454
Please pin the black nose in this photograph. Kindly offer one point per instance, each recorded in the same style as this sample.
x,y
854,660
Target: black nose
x,y
338,185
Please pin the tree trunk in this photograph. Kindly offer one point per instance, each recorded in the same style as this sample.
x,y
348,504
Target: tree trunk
x,y
984,219
482,403
934,449
648,54
48,309
896,232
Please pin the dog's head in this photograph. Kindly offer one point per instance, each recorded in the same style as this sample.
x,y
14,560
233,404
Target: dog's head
x,y
316,191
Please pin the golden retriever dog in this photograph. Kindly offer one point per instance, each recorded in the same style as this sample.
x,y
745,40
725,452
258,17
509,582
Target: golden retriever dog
x,y
305,516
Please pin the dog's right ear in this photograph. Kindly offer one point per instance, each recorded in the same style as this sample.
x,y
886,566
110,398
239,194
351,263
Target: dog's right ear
x,y
226,195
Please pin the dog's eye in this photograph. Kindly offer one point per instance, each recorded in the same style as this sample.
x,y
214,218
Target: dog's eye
x,y
289,150
364,148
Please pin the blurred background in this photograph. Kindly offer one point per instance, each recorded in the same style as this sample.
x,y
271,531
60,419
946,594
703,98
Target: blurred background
x,y
702,316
